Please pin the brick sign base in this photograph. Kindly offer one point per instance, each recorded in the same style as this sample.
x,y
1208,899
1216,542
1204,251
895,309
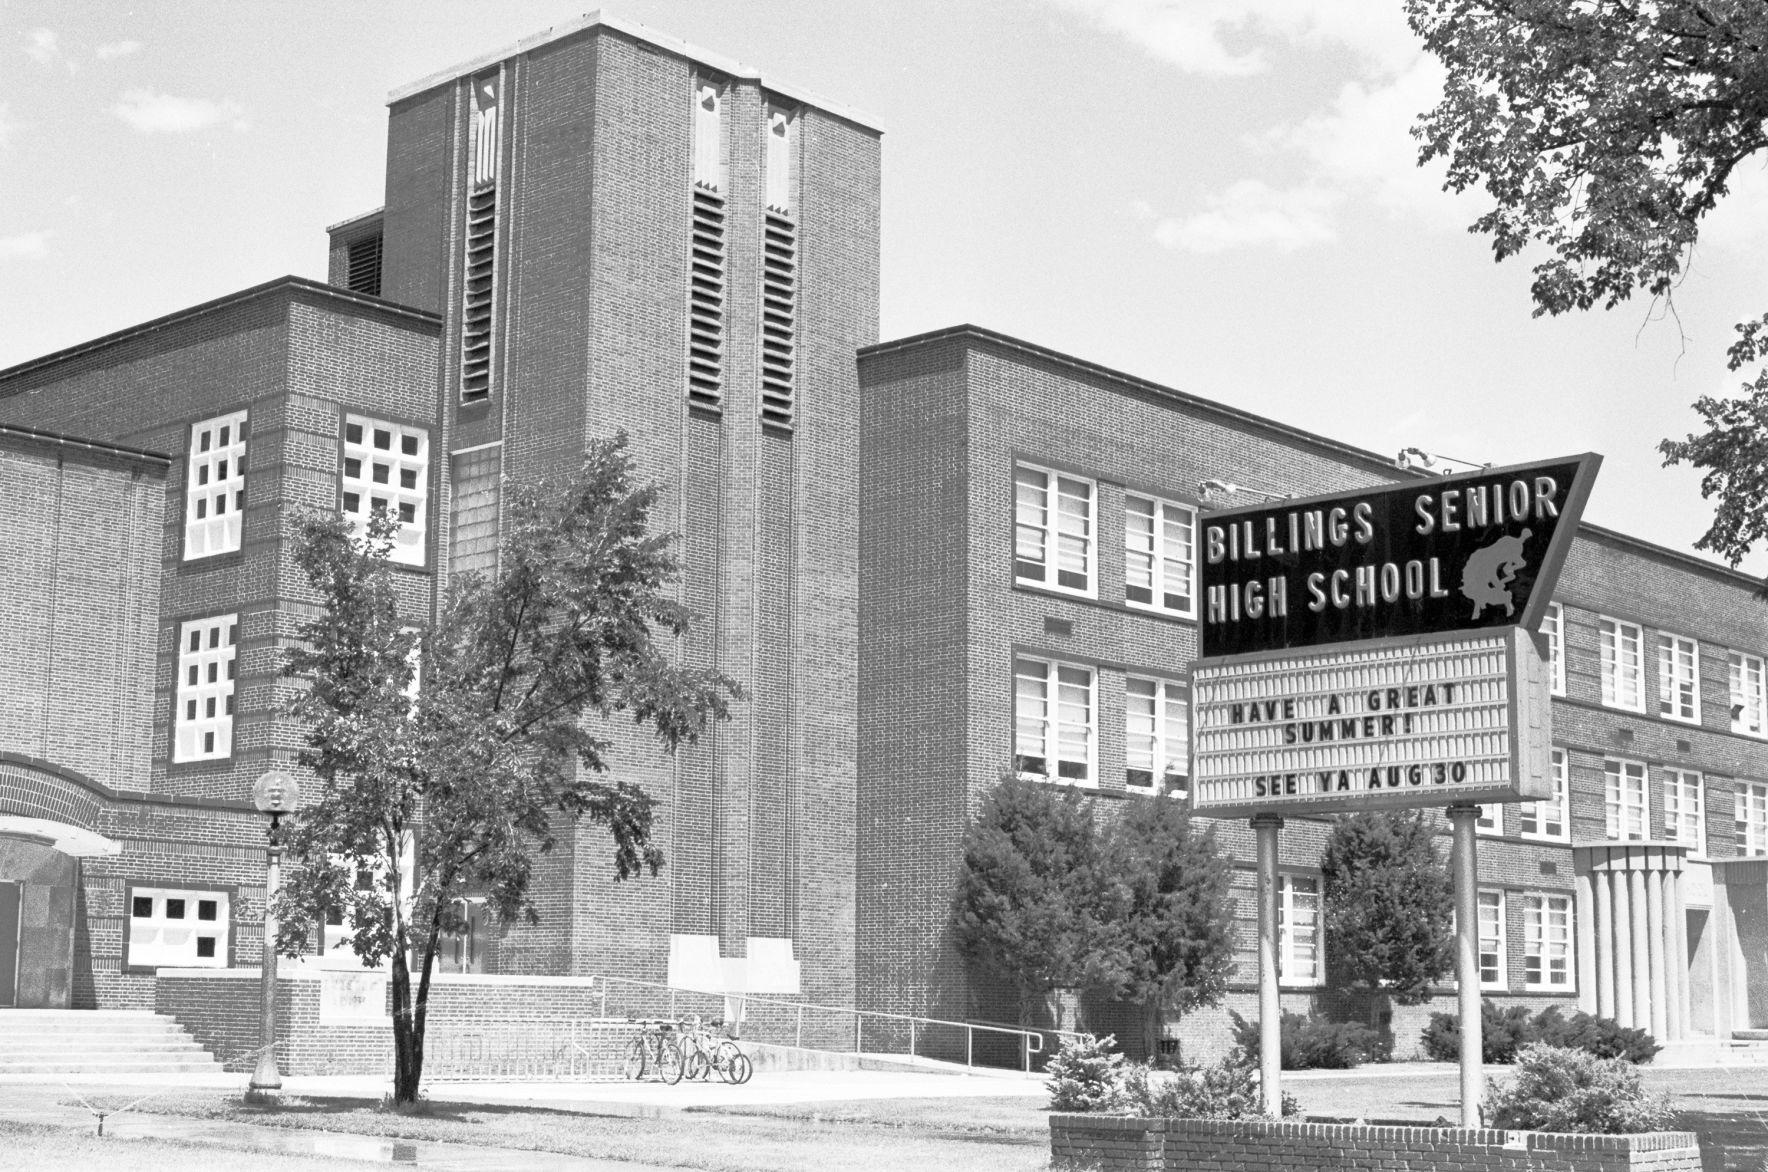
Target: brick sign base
x,y
1117,1144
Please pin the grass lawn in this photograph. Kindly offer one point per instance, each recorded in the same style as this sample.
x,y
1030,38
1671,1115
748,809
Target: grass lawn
x,y
715,1141
43,1148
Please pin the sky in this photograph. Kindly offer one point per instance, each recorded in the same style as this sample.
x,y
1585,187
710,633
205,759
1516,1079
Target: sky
x,y
1218,196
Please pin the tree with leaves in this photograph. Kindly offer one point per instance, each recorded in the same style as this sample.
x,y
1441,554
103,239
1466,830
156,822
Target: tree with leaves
x,y
1604,132
1030,892
1388,900
1169,919
507,728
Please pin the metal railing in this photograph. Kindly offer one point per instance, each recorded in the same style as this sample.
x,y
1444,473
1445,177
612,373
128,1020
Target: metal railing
x,y
782,1022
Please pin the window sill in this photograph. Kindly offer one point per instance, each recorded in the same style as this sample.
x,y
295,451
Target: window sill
x,y
1060,591
1561,839
1161,612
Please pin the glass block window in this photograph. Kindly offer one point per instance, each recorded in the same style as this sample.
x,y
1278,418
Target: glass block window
x,y
1157,736
202,727
1160,555
387,466
215,486
1055,721
1685,809
1678,678
1749,695
1551,818
1623,669
1053,530
178,929
1624,799
1547,941
1491,941
1553,625
1751,813
1298,930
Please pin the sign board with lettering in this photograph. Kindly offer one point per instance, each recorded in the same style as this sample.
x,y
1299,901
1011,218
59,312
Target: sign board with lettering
x,y
1476,551
1428,720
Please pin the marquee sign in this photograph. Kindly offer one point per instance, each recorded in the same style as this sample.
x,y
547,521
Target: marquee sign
x,y
1476,551
1431,720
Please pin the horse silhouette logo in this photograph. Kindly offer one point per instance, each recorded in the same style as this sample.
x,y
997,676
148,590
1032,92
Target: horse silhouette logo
x,y
1486,579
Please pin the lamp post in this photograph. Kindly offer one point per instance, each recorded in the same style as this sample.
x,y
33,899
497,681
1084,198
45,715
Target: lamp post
x,y
275,793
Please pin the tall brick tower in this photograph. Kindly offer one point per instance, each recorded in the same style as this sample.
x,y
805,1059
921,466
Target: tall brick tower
x,y
622,232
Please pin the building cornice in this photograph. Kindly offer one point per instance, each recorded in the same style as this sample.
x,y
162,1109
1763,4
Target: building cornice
x,y
94,447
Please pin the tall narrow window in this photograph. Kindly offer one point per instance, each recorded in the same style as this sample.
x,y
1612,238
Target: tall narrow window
x,y
1624,800
706,267
1623,668
1749,695
1157,736
1298,930
1160,555
387,466
1685,809
1547,941
1054,717
215,486
1678,678
1053,530
779,277
202,726
1491,940
481,243
1551,817
1751,814
1553,626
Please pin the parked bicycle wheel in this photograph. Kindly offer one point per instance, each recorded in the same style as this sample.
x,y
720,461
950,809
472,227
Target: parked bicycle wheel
x,y
695,1065
669,1061
732,1064
635,1058
742,1070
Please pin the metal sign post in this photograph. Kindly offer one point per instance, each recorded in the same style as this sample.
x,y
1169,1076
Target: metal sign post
x,y
1270,1007
1464,864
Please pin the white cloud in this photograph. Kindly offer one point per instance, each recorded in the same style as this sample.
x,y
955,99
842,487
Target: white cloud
x,y
1224,36
29,244
153,113
7,126
1253,214
114,49
41,46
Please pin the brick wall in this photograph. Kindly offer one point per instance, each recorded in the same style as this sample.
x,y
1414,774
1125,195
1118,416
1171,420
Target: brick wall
x,y
1108,1144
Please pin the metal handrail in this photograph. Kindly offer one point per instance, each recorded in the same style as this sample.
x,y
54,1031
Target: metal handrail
x,y
1031,1040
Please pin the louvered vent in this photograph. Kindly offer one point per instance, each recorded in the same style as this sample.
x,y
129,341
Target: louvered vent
x,y
475,362
779,320
363,265
706,302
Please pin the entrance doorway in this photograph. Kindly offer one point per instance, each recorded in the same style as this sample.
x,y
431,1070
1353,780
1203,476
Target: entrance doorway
x,y
11,896
38,896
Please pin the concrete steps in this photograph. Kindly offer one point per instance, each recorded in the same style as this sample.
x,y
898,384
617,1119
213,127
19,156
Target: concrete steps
x,y
74,1041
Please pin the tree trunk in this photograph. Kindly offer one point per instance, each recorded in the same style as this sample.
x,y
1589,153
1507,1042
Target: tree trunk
x,y
408,1034
1151,1022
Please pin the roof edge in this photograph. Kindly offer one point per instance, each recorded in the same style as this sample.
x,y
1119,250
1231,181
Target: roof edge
x,y
56,437
360,217
600,18
1007,342
291,284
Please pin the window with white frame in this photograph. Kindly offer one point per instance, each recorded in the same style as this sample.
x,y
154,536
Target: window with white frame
x,y
1491,941
202,727
387,466
1547,941
1157,735
1751,815
1490,820
178,929
1623,666
1685,809
1160,555
1678,678
1749,695
1055,721
1053,529
1298,930
1553,626
1624,799
215,486
1549,818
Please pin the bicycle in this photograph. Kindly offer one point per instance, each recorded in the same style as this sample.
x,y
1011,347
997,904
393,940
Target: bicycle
x,y
655,1049
703,1058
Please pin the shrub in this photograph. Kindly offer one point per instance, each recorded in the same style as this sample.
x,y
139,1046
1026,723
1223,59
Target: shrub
x,y
1312,1044
1504,1032
1084,1075
1227,1090
1556,1089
